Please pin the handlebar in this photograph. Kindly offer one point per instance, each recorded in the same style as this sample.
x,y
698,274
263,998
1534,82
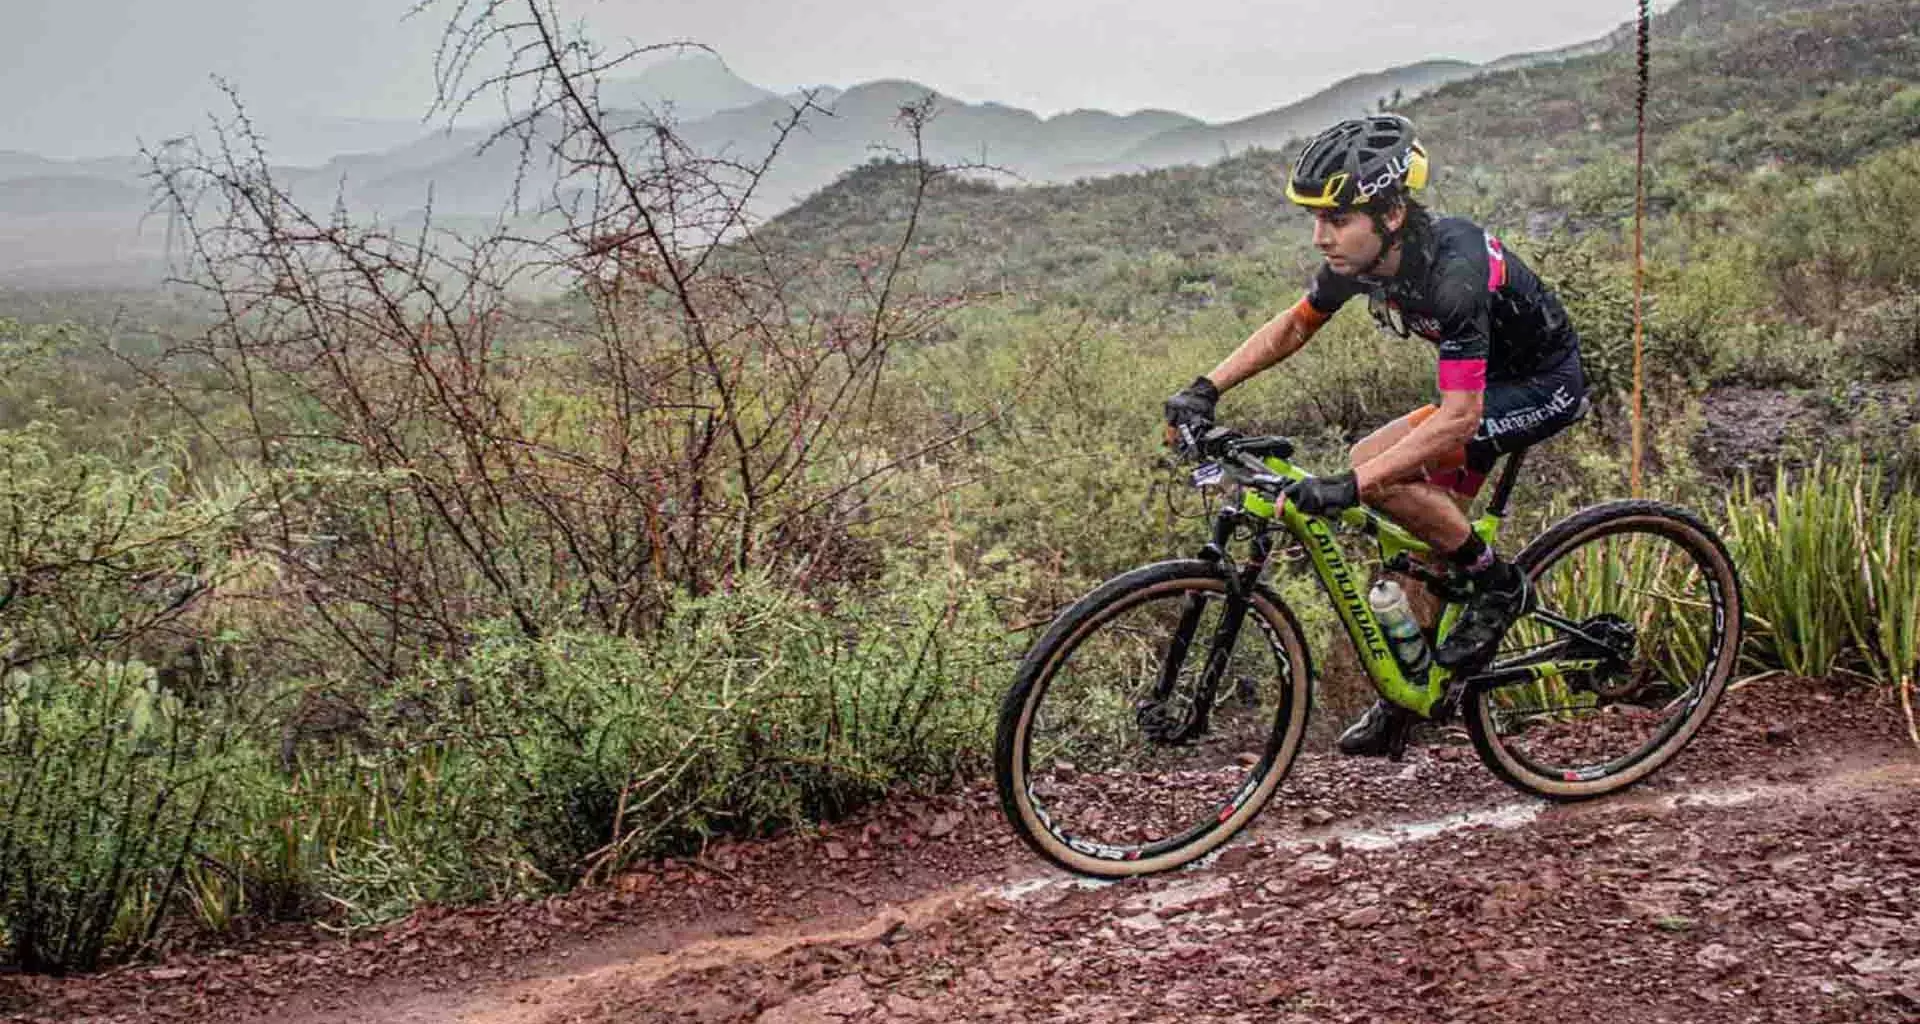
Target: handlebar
x,y
1225,454
1237,456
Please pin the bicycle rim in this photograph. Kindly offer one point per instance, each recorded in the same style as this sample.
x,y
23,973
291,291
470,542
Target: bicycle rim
x,y
1653,606
1099,773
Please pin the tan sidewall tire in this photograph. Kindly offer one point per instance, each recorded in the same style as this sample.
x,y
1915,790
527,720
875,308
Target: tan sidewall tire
x,y
1618,517
1276,624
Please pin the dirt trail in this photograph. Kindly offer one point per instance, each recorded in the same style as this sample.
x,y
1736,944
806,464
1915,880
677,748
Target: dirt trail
x,y
1773,873
626,992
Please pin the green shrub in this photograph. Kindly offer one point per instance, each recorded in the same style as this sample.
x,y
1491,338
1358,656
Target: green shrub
x,y
110,784
1883,341
1685,309
108,774
1846,235
1890,628
529,765
1775,355
1828,564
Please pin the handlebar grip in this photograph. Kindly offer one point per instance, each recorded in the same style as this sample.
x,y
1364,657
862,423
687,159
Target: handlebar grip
x,y
1209,442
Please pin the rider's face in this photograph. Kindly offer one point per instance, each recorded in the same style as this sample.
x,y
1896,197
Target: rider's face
x,y
1347,239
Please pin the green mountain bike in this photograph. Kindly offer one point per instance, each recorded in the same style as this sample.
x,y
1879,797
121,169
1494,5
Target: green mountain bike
x,y
1159,713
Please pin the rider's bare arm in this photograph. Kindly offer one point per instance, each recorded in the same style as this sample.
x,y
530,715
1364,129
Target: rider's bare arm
x,y
1466,341
1277,339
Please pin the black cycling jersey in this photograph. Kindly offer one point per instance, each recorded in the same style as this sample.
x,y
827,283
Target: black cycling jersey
x,y
1493,318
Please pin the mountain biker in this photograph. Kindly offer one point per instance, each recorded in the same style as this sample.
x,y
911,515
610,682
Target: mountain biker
x,y
1509,369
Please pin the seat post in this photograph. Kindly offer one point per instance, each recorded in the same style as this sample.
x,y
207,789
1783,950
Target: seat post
x,y
1503,489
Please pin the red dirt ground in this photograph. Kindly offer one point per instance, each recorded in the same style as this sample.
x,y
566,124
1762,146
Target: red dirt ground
x,y
1772,873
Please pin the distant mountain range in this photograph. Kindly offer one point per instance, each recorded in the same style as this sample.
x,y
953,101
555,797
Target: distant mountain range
x,y
1810,91
719,113
79,221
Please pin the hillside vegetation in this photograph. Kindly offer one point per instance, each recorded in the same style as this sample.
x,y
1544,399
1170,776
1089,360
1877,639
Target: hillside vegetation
x,y
348,583
79,222
1805,91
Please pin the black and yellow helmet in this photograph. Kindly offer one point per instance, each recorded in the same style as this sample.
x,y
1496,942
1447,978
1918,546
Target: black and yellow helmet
x,y
1358,161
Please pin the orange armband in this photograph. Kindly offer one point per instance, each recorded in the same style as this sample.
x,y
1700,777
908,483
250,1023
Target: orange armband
x,y
1309,316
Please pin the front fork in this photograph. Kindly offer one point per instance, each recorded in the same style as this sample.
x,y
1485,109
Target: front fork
x,y
1240,583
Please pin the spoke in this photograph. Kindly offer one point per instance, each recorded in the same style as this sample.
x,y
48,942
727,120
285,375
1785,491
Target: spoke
x,y
1130,790
1642,600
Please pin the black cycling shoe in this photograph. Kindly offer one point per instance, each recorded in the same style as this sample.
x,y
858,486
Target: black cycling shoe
x,y
1500,598
1381,732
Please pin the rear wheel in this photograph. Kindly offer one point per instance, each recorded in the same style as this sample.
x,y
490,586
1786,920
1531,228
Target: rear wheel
x,y
1131,742
1641,597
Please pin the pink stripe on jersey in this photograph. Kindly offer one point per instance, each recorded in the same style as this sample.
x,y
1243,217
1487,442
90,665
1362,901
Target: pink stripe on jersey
x,y
1463,374
1496,264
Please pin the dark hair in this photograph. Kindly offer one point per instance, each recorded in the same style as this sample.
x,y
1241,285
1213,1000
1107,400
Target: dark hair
x,y
1419,222
1413,232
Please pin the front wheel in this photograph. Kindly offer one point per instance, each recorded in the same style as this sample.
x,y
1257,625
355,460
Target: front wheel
x,y
1634,637
1139,733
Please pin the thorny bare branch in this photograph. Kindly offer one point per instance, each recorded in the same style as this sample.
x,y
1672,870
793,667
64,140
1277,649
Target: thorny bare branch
x,y
695,408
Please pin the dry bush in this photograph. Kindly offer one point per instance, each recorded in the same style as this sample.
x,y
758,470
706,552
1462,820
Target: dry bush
x,y
435,451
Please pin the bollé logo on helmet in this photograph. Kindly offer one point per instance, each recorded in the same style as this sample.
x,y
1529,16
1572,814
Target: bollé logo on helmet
x,y
1397,168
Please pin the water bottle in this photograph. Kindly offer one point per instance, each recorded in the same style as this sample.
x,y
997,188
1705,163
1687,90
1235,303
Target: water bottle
x,y
1409,645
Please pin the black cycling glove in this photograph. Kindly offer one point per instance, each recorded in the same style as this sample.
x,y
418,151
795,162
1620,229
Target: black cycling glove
x,y
1325,495
1192,406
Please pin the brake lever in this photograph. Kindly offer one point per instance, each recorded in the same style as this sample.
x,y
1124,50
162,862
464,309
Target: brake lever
x,y
1191,445
1260,476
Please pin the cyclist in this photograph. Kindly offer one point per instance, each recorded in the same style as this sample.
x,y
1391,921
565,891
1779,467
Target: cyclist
x,y
1509,368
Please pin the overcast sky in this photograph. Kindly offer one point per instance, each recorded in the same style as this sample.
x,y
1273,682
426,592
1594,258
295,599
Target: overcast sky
x,y
86,77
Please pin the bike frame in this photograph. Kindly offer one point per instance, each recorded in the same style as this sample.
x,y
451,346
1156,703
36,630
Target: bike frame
x,y
1345,586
